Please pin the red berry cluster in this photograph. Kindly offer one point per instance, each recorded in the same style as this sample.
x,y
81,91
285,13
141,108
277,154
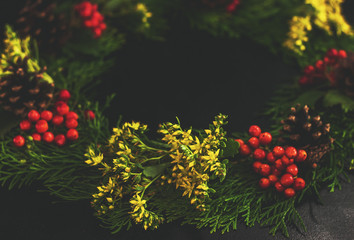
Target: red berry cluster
x,y
91,17
277,167
320,72
231,7
46,120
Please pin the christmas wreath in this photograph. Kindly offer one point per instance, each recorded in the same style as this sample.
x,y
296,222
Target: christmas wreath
x,y
55,134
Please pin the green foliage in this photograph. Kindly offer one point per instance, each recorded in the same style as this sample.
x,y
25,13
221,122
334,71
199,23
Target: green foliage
x,y
334,97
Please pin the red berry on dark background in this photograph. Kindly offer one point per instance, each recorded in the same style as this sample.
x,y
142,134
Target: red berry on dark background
x,y
64,95
57,120
254,131
63,109
46,115
89,115
33,116
19,141
270,157
279,165
76,117
259,154
285,160
25,125
245,150
48,137
287,180
253,142
273,179
42,126
264,183
265,170
72,134
289,192
265,138
71,123
290,152
292,169
279,187
301,156
276,171
278,151
299,184
60,140
36,137
342,54
256,166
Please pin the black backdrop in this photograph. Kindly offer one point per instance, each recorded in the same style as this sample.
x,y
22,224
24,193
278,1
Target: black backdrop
x,y
193,76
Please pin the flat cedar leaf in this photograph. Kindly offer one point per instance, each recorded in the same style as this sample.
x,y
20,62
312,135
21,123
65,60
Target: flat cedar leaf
x,y
335,97
7,122
231,148
309,98
153,171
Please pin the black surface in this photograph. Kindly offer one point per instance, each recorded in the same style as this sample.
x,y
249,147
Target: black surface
x,y
192,76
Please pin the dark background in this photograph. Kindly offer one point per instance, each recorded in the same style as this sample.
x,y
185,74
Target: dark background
x,y
193,76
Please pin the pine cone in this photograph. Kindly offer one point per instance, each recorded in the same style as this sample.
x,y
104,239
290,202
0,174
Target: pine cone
x,y
39,20
343,74
303,131
21,90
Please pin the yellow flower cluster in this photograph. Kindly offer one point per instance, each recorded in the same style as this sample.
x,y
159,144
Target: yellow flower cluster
x,y
122,167
140,7
194,161
18,49
326,13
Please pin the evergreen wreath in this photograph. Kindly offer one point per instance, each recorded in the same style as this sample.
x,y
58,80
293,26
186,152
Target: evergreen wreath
x,y
207,178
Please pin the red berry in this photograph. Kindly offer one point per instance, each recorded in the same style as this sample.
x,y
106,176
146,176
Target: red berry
x,y
253,142
33,116
97,32
289,192
259,154
314,165
71,123
279,187
319,65
72,134
332,53
19,141
342,54
60,140
299,184
36,137
279,165
88,23
74,115
48,137
245,150
89,115
257,166
63,109
278,151
304,80
265,138
290,152
301,156
270,157
265,170
42,126
46,115
285,160
64,95
273,179
326,60
58,103
292,169
276,171
287,180
309,69
264,183
103,26
25,125
254,131
58,120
